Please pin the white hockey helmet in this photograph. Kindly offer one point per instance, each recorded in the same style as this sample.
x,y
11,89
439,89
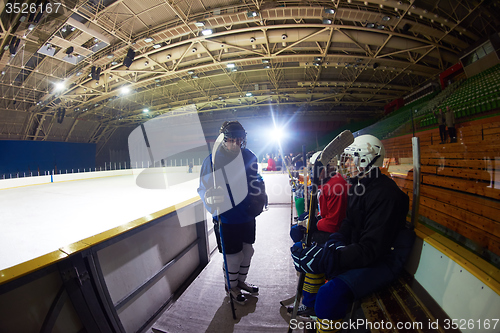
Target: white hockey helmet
x,y
366,152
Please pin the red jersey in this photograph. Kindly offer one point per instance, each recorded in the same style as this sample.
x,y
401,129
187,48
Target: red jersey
x,y
332,199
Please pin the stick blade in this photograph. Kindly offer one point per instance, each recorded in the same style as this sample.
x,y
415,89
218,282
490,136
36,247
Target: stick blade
x,y
216,146
336,146
288,301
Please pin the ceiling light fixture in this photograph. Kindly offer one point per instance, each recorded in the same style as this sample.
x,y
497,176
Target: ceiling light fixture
x,y
59,86
148,39
206,32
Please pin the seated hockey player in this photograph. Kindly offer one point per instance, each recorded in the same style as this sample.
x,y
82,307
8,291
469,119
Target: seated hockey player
x,y
373,243
239,166
332,201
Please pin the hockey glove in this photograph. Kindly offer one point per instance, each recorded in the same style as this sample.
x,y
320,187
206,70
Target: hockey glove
x,y
333,243
214,197
307,260
297,233
303,223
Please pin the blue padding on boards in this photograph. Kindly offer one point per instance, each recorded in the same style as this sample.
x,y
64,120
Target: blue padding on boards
x,y
33,156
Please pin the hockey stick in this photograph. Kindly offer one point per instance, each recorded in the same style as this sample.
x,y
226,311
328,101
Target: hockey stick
x,y
335,147
216,146
312,215
293,184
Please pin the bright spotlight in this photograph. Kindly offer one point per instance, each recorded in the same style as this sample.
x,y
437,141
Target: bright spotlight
x,y
59,86
125,90
277,134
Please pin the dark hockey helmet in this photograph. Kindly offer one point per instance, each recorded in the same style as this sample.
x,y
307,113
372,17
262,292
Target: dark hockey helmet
x,y
234,130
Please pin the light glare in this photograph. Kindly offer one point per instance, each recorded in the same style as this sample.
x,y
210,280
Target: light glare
x,y
277,134
59,86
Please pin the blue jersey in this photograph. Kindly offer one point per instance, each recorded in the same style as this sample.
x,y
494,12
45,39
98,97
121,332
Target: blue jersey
x,y
236,176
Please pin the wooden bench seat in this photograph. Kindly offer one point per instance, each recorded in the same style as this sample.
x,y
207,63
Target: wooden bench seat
x,y
399,305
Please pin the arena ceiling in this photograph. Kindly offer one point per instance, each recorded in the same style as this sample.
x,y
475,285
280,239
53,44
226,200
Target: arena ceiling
x,y
331,60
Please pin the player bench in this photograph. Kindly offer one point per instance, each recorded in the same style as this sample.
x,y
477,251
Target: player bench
x,y
401,308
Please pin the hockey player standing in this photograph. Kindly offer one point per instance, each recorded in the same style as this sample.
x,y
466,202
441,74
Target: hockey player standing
x,y
238,200
370,248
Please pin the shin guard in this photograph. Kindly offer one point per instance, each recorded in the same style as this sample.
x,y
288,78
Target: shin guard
x,y
233,266
312,283
248,252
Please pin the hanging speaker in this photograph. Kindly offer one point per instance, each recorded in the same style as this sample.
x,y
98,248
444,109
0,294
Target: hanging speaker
x,y
129,58
127,62
41,12
38,17
130,54
14,44
95,73
32,15
406,27
60,115
69,50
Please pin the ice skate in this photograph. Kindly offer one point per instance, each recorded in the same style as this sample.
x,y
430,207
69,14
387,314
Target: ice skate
x,y
305,313
238,297
249,288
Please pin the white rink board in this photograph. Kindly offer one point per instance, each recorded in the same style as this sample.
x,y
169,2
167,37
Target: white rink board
x,y
466,300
